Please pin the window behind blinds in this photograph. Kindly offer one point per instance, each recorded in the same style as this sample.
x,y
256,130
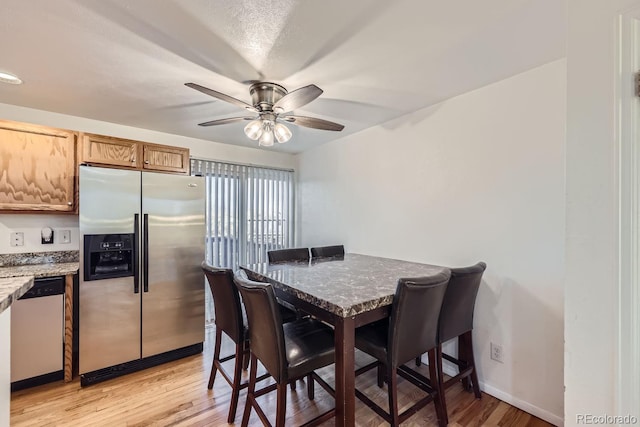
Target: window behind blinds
x,y
249,211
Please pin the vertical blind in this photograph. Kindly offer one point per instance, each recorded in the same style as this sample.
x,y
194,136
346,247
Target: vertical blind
x,y
249,211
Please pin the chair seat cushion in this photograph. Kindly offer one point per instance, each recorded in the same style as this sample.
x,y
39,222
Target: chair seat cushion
x,y
309,346
372,339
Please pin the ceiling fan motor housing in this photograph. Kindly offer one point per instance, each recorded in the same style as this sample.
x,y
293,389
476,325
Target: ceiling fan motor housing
x,y
265,94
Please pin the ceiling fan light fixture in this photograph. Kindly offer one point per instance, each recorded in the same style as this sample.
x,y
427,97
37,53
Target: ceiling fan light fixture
x,y
253,129
282,133
266,139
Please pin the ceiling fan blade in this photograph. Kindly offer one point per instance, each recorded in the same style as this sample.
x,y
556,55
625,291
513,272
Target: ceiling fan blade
x,y
225,121
297,98
313,122
221,96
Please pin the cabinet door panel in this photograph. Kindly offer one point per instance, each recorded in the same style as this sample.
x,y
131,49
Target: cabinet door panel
x,y
104,150
165,158
37,168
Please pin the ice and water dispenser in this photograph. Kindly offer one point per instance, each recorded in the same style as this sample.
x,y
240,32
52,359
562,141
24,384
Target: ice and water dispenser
x,y
108,255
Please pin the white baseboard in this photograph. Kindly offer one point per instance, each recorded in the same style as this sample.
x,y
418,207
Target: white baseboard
x,y
514,401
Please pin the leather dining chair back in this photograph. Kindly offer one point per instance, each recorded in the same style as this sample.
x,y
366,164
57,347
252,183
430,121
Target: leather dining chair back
x,y
266,336
226,299
327,251
413,328
456,316
288,255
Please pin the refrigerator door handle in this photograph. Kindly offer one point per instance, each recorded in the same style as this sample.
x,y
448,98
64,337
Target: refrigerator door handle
x,y
145,253
136,267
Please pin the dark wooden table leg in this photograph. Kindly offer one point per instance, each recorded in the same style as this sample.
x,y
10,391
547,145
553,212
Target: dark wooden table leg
x,y
345,371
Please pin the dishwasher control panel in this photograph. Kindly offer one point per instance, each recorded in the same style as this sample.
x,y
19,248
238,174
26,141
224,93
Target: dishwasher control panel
x,y
45,286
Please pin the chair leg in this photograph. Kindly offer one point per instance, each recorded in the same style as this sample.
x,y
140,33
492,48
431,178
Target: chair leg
x,y
292,384
235,388
281,404
245,355
311,391
472,362
216,357
418,360
392,382
380,375
250,391
437,380
463,356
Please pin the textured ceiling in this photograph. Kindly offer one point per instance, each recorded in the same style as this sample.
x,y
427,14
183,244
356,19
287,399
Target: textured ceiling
x,y
126,62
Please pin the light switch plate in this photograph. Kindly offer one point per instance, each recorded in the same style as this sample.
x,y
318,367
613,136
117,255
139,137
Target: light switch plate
x,y
65,236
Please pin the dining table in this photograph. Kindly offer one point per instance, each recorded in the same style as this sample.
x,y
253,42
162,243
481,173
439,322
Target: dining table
x,y
346,292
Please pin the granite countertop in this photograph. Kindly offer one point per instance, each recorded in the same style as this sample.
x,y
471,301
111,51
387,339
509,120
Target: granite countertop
x,y
347,287
17,271
39,264
13,288
40,270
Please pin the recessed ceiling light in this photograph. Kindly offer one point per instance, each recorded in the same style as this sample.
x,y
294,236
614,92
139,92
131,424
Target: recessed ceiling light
x,y
9,78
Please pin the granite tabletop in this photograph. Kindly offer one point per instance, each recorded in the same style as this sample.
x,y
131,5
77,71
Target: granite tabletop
x,y
13,288
345,287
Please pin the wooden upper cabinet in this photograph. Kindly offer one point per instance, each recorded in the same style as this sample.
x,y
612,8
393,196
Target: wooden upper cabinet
x,y
164,158
105,150
37,168
126,153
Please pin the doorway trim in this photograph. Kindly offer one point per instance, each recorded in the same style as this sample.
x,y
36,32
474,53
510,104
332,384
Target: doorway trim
x,y
628,124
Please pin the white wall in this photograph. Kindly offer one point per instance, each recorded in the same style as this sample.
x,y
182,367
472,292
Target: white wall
x,y
591,284
31,225
478,177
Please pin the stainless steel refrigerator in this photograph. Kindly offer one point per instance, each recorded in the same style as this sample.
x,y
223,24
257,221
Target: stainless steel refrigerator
x,y
141,290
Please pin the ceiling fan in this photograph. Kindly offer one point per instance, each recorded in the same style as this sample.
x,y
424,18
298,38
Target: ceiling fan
x,y
271,101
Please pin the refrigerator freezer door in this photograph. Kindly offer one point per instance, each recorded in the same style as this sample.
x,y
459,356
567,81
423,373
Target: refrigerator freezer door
x,y
109,319
173,306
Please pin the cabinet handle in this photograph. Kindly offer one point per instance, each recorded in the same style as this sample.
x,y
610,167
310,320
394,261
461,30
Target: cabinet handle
x,y
146,162
69,203
133,159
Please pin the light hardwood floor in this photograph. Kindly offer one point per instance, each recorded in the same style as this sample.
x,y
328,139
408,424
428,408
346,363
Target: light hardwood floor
x,y
175,394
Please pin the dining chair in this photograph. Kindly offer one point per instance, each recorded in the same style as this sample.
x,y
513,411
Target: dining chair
x,y
327,251
456,321
287,255
230,319
287,351
411,330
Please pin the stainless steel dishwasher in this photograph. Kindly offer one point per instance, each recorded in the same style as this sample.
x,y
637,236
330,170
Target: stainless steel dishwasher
x,y
37,334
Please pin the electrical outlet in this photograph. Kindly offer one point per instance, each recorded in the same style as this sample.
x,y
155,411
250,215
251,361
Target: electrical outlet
x,y
17,239
65,236
496,353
